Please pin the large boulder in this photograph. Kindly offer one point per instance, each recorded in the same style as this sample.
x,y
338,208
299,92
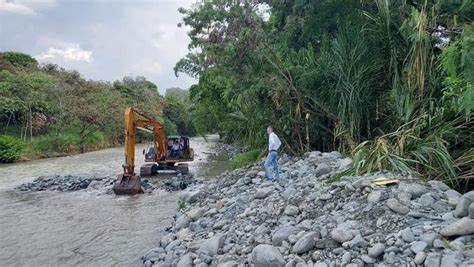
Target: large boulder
x,y
282,234
305,243
462,208
397,207
212,245
341,235
185,261
265,255
195,213
182,222
415,189
322,169
463,226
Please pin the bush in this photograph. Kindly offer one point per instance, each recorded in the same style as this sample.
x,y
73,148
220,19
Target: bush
x,y
58,142
245,158
10,148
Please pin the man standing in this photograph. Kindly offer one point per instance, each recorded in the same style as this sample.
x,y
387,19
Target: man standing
x,y
272,158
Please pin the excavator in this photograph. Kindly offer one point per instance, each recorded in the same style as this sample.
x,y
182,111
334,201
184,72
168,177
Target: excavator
x,y
166,153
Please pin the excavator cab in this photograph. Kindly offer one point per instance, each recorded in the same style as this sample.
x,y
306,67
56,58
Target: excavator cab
x,y
161,156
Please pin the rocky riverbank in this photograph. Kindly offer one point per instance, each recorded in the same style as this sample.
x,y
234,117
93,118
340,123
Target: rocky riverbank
x,y
239,219
103,184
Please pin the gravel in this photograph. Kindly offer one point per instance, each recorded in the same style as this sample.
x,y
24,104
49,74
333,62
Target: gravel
x,y
238,219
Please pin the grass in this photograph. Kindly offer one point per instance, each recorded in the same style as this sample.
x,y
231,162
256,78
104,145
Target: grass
x,y
245,158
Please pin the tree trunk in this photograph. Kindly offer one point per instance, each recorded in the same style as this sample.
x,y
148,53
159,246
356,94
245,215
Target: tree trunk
x,y
31,125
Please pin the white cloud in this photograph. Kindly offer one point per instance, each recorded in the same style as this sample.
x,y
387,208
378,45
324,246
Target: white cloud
x,y
72,53
7,6
147,68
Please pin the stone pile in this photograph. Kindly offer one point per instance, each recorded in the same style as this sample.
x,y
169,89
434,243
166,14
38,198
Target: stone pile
x,y
63,183
104,184
239,219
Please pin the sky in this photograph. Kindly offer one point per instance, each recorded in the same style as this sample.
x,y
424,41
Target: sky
x,y
102,39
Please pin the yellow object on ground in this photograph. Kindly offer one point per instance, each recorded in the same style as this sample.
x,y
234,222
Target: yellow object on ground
x,y
384,180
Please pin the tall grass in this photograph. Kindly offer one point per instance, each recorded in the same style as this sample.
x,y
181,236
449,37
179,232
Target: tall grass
x,y
245,158
416,148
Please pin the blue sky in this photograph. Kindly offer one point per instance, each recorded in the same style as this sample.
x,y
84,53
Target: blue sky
x,y
102,39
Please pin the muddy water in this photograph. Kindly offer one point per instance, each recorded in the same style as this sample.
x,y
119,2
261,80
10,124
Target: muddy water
x,y
83,228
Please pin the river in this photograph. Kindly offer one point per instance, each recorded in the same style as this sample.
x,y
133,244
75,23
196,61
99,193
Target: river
x,y
84,228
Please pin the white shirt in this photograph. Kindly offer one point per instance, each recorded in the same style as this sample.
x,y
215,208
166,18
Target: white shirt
x,y
273,142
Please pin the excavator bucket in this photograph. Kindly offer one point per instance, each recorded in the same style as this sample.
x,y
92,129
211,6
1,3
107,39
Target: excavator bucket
x,y
128,185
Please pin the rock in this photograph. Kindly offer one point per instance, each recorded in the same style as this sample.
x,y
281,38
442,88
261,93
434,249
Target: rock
x,y
420,257
322,169
346,257
172,245
335,155
469,195
376,250
220,224
471,211
418,246
282,234
452,196
265,255
341,235
426,200
185,261
291,210
367,259
319,264
212,245
263,193
261,174
429,238
438,185
463,226
374,196
305,243
433,259
462,208
449,260
182,222
415,189
195,213
397,207
408,235
357,241
345,163
325,196
438,243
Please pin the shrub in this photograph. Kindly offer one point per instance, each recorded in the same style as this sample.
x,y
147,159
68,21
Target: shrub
x,y
245,158
10,148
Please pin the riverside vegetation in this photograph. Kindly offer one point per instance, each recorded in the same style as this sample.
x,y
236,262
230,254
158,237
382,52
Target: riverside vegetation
x,y
48,111
389,82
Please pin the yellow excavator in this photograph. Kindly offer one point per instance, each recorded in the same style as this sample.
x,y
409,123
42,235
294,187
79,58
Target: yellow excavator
x,y
166,153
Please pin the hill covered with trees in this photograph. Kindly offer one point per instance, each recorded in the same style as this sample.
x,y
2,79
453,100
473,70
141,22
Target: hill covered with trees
x,y
49,111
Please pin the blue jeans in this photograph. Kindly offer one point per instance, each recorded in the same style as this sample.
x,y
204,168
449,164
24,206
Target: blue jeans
x,y
272,159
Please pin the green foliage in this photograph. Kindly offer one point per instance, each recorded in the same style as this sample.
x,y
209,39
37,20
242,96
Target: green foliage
x,y
332,74
18,59
55,111
245,158
177,110
415,148
10,148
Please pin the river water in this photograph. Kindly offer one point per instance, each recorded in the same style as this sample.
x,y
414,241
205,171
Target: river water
x,y
85,228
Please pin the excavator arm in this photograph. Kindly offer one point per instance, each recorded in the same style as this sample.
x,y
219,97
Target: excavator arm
x,y
128,182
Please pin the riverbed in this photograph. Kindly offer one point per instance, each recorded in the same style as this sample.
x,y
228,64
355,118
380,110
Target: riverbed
x,y
85,228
